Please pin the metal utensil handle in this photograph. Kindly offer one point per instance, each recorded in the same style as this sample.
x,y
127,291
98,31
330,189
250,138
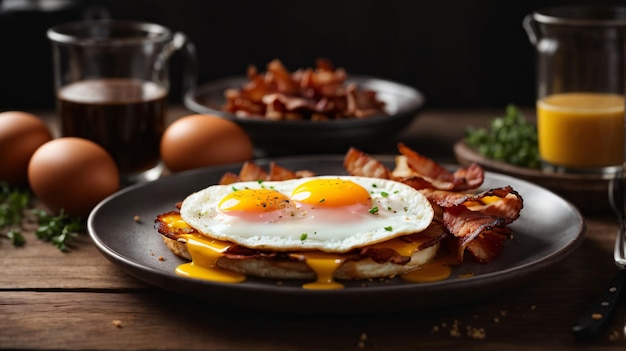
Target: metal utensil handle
x,y
595,319
617,199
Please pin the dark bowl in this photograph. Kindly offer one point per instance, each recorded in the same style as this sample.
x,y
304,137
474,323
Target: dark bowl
x,y
278,138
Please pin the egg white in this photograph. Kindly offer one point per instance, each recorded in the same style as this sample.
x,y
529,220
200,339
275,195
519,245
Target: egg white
x,y
401,210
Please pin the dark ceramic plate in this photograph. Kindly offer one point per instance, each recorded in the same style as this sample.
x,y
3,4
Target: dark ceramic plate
x,y
548,230
272,138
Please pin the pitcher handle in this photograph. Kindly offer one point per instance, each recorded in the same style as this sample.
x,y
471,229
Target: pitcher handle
x,y
190,70
190,62
531,29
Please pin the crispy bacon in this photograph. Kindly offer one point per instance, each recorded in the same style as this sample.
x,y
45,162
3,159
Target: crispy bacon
x,y
384,254
251,172
426,238
463,179
480,217
467,225
280,173
229,178
358,163
508,205
320,93
488,245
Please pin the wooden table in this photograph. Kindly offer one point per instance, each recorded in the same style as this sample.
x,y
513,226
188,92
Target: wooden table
x,y
78,300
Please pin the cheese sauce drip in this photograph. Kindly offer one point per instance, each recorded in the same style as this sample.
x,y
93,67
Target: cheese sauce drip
x,y
206,252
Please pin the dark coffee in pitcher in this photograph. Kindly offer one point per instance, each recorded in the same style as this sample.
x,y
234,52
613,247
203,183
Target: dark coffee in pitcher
x,y
125,116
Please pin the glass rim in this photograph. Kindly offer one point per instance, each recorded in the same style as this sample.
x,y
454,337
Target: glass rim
x,y
78,33
582,15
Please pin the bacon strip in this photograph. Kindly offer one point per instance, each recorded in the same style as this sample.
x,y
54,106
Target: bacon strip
x,y
463,179
467,225
507,206
280,173
358,163
228,178
251,172
488,245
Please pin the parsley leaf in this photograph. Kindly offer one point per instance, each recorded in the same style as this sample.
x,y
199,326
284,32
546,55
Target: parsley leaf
x,y
509,138
17,239
13,202
59,230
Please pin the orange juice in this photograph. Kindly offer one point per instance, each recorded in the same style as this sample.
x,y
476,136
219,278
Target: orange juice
x,y
581,130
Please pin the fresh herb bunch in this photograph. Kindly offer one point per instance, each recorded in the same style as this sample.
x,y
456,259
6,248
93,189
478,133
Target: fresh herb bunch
x,y
510,138
57,229
13,202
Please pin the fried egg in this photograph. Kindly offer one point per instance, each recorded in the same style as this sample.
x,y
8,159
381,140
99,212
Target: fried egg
x,y
326,213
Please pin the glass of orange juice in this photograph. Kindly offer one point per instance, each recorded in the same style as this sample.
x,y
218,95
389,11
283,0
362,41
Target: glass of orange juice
x,y
580,87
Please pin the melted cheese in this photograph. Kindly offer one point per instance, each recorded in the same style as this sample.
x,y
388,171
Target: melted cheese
x,y
206,252
433,271
324,265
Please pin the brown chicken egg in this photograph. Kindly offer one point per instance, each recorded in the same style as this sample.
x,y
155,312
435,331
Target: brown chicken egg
x,y
72,174
21,133
196,141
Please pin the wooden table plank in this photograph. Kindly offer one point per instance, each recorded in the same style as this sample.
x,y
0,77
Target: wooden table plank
x,y
152,320
40,265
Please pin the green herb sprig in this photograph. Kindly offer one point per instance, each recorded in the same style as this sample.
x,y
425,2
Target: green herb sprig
x,y
59,229
510,138
13,202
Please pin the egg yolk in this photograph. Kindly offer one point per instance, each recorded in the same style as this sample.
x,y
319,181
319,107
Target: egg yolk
x,y
254,200
331,193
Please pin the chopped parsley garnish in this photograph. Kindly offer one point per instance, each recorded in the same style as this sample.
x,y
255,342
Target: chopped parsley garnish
x,y
374,210
510,138
57,229
384,194
389,228
16,238
322,200
13,202
303,236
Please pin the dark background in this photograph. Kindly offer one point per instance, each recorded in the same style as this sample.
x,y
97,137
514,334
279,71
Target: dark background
x,y
459,53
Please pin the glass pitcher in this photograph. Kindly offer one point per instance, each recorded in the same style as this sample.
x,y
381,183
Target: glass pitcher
x,y
112,84
580,86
